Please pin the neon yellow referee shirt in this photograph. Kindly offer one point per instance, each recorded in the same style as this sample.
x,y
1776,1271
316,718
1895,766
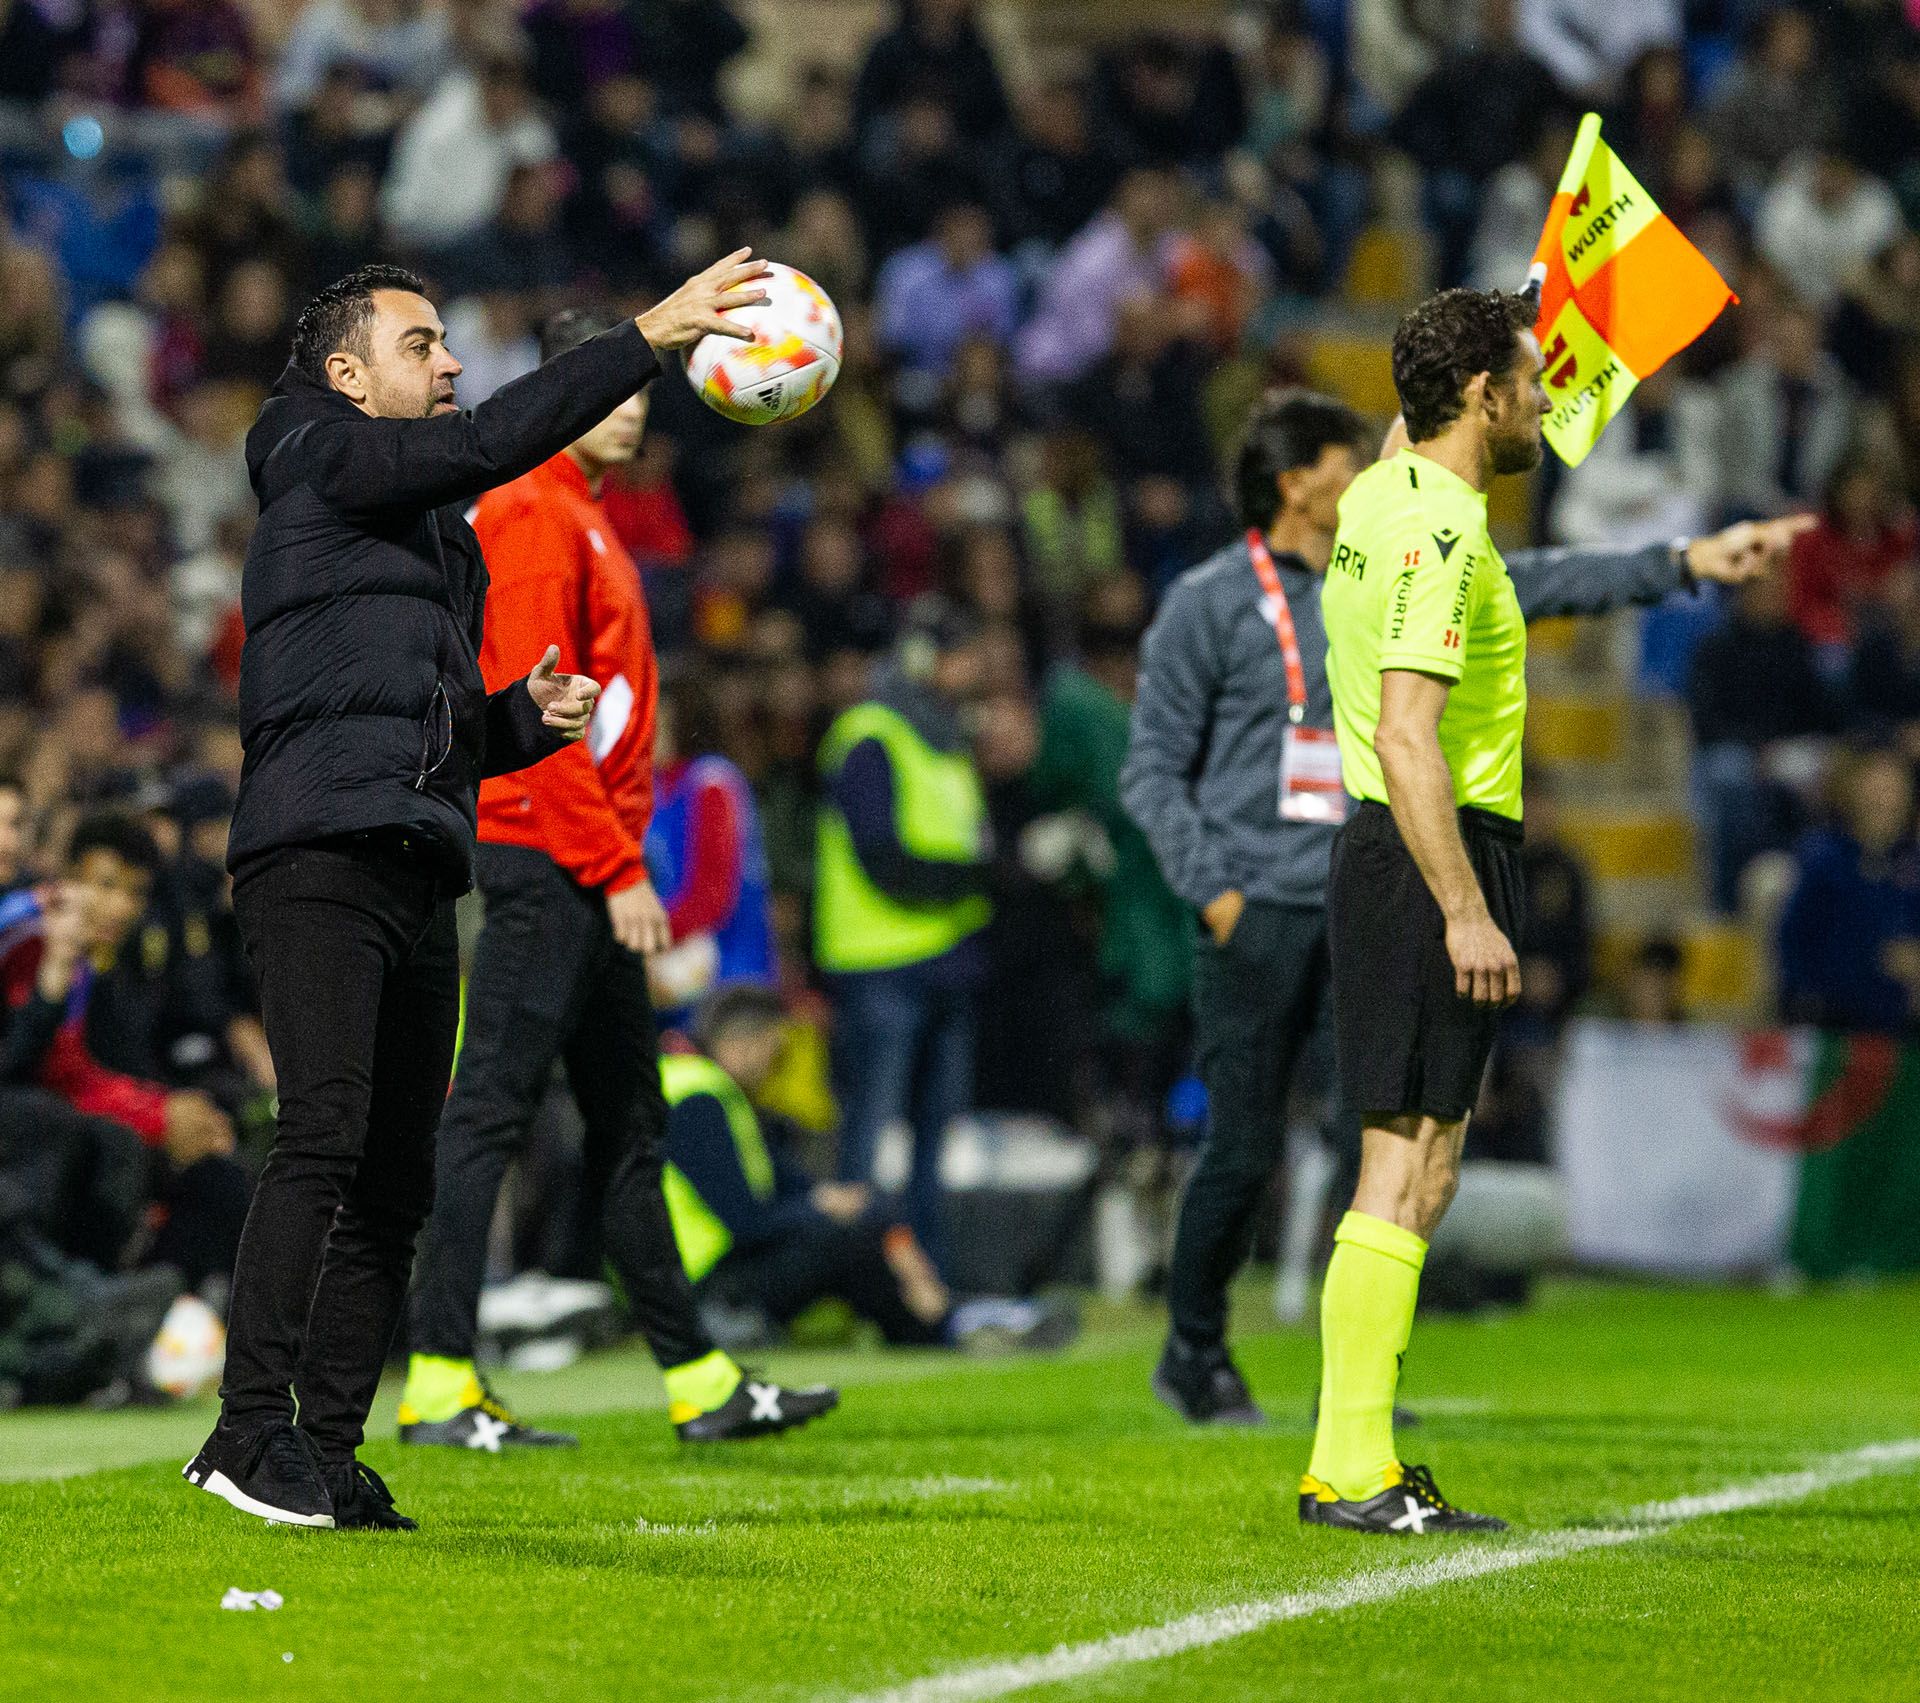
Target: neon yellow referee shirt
x,y
1416,583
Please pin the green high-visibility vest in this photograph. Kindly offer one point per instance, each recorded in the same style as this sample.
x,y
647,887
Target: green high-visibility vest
x,y
703,1239
940,816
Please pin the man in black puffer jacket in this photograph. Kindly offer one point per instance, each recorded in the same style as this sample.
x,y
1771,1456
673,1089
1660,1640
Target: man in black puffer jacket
x,y
368,730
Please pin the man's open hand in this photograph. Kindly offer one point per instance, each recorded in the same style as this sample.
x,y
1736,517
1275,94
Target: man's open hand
x,y
698,308
1745,550
639,919
566,700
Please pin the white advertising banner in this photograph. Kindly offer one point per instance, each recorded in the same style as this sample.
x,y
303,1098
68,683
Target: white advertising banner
x,y
1661,1136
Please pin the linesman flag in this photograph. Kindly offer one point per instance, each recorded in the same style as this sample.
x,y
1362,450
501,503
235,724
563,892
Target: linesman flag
x,y
1621,293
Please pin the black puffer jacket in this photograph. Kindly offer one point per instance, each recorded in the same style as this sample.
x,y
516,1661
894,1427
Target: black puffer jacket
x,y
361,701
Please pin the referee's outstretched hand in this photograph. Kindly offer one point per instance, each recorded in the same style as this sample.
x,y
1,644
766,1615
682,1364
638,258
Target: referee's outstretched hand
x,y
566,700
698,308
1745,550
1485,969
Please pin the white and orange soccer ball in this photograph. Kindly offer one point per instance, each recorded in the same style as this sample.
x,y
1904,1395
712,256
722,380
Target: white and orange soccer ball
x,y
190,1351
790,364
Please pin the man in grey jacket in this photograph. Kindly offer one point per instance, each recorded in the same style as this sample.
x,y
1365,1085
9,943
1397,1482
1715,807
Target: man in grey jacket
x,y
1233,776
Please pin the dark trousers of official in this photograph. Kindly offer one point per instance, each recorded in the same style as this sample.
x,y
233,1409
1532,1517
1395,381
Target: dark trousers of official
x,y
902,1047
355,951
820,1262
1260,1004
550,983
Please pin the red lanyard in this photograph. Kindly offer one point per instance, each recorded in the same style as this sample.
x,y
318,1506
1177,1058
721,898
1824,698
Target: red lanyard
x,y
1269,577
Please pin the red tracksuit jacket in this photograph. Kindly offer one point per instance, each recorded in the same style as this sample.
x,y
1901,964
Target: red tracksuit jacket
x,y
559,575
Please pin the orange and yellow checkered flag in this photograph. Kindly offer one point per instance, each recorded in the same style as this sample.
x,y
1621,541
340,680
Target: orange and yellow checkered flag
x,y
1621,293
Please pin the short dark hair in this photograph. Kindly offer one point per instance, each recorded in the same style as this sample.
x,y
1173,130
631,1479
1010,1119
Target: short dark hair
x,y
741,1004
571,327
117,832
338,316
1289,429
1443,342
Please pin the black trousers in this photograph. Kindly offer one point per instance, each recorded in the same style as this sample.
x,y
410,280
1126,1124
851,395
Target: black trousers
x,y
86,1183
1260,1003
354,947
827,1261
551,983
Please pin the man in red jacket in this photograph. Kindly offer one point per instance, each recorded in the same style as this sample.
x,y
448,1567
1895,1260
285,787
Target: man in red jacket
x,y
560,971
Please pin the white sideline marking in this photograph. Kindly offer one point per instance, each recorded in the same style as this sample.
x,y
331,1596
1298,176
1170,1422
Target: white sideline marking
x,y
1473,1560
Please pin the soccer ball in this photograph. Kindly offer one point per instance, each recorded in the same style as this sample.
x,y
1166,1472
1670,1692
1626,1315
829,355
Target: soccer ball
x,y
790,364
190,1351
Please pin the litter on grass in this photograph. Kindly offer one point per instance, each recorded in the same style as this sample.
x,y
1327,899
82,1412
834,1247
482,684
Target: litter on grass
x,y
247,1601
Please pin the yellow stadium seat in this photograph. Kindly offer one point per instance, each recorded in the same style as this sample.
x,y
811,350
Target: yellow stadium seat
x,y
1623,843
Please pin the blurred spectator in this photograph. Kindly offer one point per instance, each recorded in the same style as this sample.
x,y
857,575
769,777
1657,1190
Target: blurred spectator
x,y
1652,993
932,297
1460,144
195,57
707,858
1587,48
1071,518
687,44
833,598
822,239
1556,939
252,323
1513,209
1822,220
1174,100
453,158
523,250
50,942
1884,130
899,900
491,334
1397,42
1775,101
1786,418
822,152
1126,251
1850,935
1142,401
933,44
40,49
1056,171
926,166
1756,686
246,213
392,50
1883,690
1842,566
1653,475
1878,313
1220,275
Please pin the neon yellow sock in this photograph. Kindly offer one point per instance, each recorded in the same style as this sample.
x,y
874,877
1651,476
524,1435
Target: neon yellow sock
x,y
700,1386
1366,1316
437,1389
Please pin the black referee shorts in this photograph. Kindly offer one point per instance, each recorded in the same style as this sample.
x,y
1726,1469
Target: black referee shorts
x,y
1407,1042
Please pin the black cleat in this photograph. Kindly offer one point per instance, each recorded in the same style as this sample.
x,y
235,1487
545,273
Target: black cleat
x,y
362,1501
272,1473
757,1409
1204,1386
487,1425
1412,1508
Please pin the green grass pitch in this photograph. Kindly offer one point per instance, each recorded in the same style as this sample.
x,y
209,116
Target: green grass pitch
x,y
957,1513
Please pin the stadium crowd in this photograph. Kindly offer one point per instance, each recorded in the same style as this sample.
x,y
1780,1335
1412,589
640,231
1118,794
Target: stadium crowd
x,y
1060,294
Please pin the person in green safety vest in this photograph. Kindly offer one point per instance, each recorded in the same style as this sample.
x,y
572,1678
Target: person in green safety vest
x,y
757,1231
901,874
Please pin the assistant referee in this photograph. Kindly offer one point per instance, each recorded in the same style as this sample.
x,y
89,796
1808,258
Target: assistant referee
x,y
1427,663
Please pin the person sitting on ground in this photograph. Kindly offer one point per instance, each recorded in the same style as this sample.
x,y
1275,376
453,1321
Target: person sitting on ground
x,y
756,1230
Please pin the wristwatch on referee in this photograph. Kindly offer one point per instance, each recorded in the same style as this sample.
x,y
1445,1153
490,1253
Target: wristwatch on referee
x,y
1678,551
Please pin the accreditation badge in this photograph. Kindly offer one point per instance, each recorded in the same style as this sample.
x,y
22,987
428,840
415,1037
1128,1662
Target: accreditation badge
x,y
1311,789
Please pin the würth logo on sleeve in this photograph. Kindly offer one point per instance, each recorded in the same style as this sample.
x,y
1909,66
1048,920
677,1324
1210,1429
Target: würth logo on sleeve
x,y
1450,639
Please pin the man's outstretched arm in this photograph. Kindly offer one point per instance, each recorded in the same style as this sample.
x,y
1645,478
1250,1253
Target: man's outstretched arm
x,y
361,466
1589,580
